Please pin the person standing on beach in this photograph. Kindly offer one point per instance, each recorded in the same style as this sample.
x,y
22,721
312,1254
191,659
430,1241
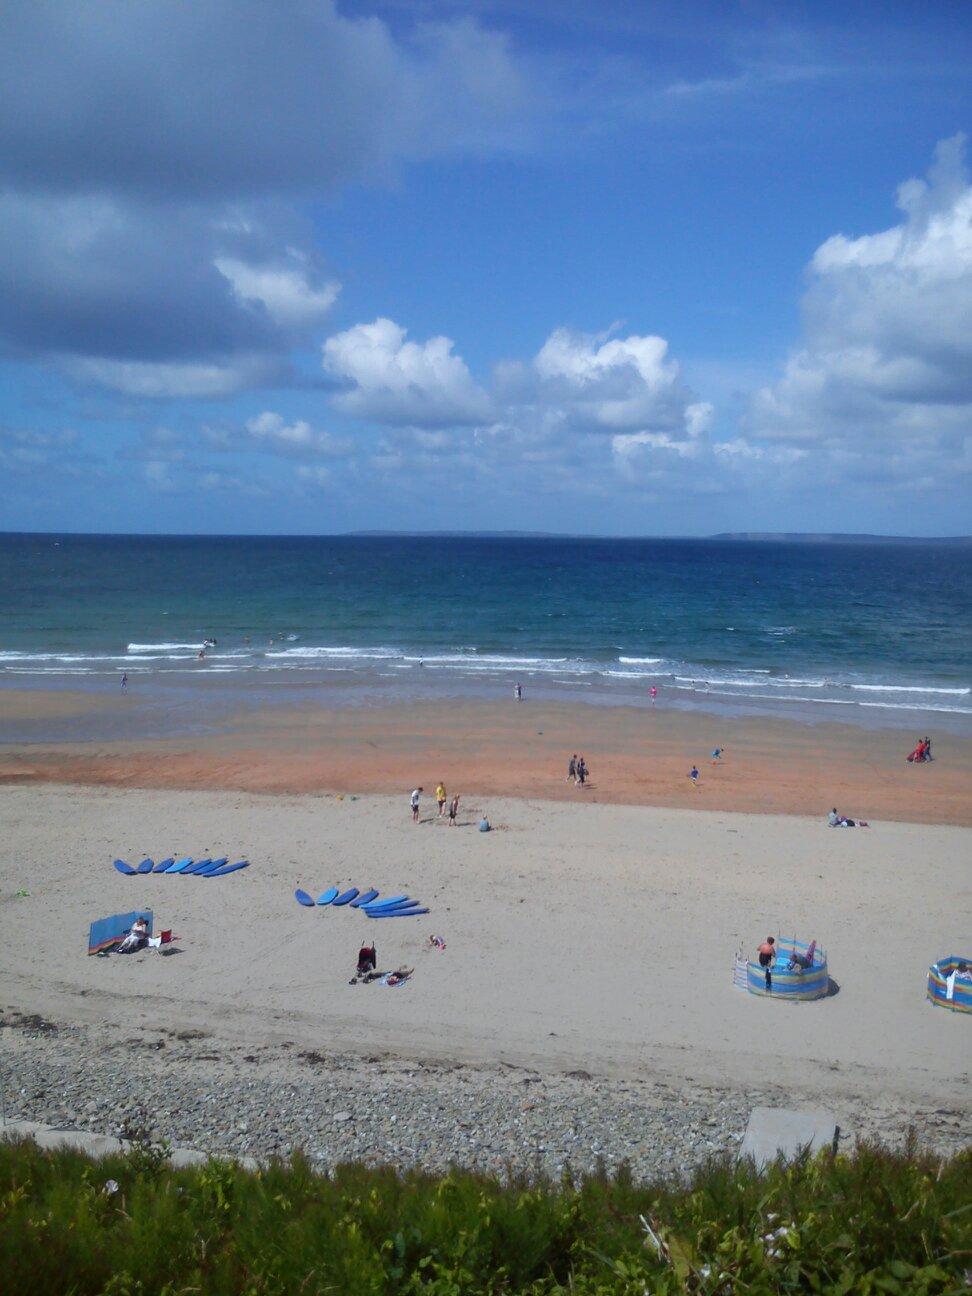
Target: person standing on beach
x,y
572,769
440,796
654,693
581,770
694,776
125,682
414,800
453,810
518,692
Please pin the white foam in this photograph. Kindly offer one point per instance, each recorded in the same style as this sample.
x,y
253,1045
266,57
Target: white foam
x,y
908,688
162,647
641,661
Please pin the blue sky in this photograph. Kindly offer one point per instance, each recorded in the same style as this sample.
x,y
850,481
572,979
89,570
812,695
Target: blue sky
x,y
614,268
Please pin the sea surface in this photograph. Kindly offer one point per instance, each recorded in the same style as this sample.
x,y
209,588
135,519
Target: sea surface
x,y
869,633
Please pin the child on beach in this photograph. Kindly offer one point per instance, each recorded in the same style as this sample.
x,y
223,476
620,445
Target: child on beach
x,y
717,754
440,796
414,802
453,810
694,776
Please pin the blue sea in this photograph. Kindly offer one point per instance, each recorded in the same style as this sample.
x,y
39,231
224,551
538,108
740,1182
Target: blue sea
x,y
867,633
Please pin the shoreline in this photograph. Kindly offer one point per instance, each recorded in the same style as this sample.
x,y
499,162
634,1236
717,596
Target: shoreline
x,y
637,756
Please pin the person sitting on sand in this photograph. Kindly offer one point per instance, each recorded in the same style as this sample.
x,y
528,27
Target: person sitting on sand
x,y
136,938
766,953
484,825
836,820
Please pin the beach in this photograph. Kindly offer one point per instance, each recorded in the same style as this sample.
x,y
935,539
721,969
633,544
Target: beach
x,y
586,945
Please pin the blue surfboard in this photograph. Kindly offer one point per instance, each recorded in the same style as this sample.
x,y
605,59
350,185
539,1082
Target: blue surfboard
x,y
122,867
146,866
197,867
399,913
348,896
163,865
213,866
395,908
180,865
327,896
303,898
366,897
392,900
229,868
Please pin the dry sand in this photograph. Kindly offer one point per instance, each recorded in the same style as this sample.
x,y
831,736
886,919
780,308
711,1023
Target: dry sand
x,y
579,936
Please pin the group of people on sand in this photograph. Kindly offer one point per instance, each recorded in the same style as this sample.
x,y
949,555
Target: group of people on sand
x,y
767,954
441,797
367,969
577,771
922,751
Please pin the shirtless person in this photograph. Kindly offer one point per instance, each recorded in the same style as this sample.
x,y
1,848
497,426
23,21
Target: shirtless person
x,y
766,954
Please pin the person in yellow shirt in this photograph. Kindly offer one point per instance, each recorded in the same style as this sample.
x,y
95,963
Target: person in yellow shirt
x,y
440,796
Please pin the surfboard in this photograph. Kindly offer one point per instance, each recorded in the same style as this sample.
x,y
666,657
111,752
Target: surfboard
x,y
392,900
303,898
122,867
180,865
197,867
395,908
346,898
146,866
366,897
163,865
213,866
399,913
327,896
230,868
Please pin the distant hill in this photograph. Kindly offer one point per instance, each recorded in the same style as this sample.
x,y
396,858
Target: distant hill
x,y
837,537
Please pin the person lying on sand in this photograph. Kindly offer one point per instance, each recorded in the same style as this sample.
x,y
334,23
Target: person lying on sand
x,y
398,977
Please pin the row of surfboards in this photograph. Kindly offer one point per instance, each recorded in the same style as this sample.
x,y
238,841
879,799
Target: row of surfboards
x,y
201,868
393,907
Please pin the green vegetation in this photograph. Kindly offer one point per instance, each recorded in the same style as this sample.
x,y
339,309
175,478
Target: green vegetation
x,y
875,1222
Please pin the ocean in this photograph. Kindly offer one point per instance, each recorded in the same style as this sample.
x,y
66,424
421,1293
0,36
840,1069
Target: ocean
x,y
860,632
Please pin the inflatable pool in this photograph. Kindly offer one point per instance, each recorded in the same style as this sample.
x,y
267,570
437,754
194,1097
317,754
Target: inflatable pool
x,y
799,972
939,977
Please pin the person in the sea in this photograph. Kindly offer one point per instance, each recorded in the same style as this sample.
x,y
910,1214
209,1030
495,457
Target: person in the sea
x,y
440,796
125,681
766,953
654,693
414,800
572,769
518,692
453,810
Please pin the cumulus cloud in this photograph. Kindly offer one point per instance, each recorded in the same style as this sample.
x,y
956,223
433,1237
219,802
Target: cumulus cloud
x,y
149,239
883,381
394,381
270,431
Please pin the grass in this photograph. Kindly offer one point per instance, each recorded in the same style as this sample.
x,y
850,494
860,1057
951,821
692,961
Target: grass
x,y
875,1222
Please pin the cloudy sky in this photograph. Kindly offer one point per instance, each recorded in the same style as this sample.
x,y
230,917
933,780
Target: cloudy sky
x,y
533,264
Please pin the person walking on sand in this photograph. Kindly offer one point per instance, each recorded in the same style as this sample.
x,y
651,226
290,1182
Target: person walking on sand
x,y
440,796
414,801
125,682
581,771
572,769
654,693
717,754
694,776
453,810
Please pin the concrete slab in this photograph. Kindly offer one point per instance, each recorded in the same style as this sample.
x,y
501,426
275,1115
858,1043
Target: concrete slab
x,y
775,1131
101,1145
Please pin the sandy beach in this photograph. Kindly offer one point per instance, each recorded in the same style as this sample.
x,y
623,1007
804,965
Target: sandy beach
x,y
580,937
637,756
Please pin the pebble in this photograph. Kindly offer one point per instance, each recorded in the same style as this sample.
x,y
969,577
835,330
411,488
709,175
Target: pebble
x,y
271,1101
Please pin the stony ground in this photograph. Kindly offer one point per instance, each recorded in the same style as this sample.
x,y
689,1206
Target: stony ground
x,y
196,1092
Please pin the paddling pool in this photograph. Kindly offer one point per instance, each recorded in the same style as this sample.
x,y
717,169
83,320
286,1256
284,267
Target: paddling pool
x,y
794,985
938,974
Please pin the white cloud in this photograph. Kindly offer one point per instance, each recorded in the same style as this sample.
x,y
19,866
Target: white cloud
x,y
401,383
191,380
883,381
270,431
283,291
